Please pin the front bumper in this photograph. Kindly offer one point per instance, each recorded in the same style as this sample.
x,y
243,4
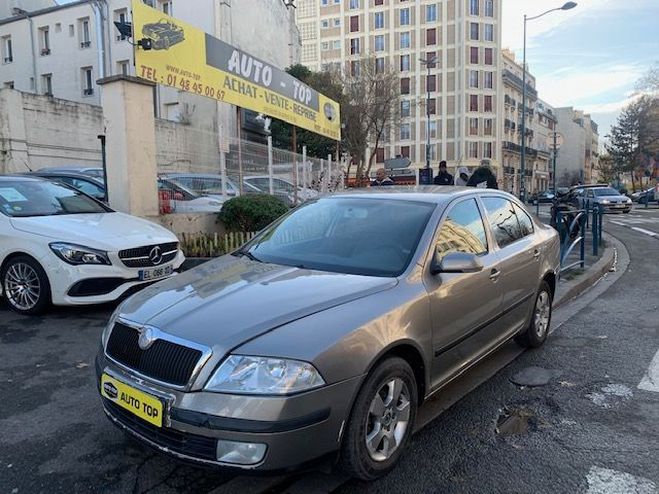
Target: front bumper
x,y
95,284
295,429
616,208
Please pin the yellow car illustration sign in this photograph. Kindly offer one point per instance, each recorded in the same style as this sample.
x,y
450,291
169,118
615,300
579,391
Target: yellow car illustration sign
x,y
163,34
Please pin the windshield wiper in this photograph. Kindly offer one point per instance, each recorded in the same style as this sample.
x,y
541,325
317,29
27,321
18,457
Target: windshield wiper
x,y
247,254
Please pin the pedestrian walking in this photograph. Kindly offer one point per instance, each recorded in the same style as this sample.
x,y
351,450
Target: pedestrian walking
x,y
463,176
443,177
483,178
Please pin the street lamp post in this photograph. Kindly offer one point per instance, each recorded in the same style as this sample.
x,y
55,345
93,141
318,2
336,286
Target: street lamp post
x,y
522,171
428,62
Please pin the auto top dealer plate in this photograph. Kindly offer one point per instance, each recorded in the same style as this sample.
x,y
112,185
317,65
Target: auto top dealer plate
x,y
145,406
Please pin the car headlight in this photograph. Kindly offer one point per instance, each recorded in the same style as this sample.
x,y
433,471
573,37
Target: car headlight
x,y
79,254
244,374
108,328
604,201
628,200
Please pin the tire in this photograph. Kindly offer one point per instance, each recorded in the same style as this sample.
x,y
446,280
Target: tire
x,y
537,330
369,463
25,286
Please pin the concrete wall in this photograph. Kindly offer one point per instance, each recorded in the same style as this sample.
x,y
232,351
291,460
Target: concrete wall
x,y
40,131
571,156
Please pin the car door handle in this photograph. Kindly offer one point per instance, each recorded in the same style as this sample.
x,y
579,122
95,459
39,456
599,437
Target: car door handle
x,y
536,254
494,274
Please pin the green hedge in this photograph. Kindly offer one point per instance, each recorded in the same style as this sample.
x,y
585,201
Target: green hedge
x,y
251,212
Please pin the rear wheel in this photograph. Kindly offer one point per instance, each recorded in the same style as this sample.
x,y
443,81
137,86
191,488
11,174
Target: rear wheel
x,y
25,286
382,421
538,329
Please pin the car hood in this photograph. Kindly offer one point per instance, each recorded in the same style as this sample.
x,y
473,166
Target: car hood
x,y
228,301
105,231
611,198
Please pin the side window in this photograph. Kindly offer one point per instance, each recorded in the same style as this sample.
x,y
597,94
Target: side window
x,y
590,192
462,230
88,188
503,220
525,221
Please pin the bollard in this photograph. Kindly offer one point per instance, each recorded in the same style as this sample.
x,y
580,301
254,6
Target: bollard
x,y
595,231
582,231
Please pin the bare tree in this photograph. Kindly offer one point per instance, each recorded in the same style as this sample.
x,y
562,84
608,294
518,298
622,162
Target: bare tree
x,y
373,93
607,169
649,82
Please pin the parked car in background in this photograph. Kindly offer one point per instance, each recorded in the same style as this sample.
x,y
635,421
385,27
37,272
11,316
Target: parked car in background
x,y
61,246
543,197
210,184
644,196
180,199
283,189
325,333
92,171
589,196
85,183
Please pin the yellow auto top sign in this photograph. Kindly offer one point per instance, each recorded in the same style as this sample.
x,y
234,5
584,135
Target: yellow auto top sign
x,y
188,59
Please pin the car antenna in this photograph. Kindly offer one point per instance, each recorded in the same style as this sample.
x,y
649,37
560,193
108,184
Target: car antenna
x,y
27,166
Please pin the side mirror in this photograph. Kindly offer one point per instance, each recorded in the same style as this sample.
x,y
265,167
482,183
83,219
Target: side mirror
x,y
455,262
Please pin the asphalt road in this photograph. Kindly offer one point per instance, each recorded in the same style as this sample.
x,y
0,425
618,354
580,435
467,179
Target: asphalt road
x,y
591,429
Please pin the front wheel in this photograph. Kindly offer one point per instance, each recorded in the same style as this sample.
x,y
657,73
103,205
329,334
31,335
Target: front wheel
x,y
382,421
536,332
25,286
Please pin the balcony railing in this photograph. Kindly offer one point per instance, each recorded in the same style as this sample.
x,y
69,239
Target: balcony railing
x,y
511,78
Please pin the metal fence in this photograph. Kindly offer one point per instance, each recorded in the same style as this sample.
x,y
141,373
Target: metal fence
x,y
203,182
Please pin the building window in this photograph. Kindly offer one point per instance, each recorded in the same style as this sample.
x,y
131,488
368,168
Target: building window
x,y
324,3
87,81
473,102
429,56
379,155
379,65
473,7
354,46
8,85
354,4
379,2
489,80
473,126
473,78
324,24
337,22
431,36
404,17
487,150
336,44
379,20
473,31
404,40
354,23
404,63
166,7
120,16
47,84
473,55
355,69
489,32
379,42
123,67
7,50
433,129
488,56
431,13
405,108
405,151
324,45
405,85
431,82
487,103
405,132
487,126
72,31
44,41
83,30
472,149
432,106
489,8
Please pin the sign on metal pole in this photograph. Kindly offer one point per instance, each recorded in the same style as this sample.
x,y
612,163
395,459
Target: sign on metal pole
x,y
186,58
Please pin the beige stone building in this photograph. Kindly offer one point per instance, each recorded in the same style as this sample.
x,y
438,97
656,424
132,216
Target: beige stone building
x,y
578,157
466,96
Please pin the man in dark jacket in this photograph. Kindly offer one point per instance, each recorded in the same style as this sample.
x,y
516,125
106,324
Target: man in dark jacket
x,y
443,177
483,178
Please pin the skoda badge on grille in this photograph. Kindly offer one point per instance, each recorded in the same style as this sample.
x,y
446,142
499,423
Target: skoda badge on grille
x,y
146,339
155,256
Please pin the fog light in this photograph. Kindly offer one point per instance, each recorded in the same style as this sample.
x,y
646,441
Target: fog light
x,y
240,453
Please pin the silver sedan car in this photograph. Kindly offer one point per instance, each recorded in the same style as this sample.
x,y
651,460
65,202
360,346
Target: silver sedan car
x,y
325,333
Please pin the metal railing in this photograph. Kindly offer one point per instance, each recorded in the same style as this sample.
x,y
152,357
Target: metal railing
x,y
573,226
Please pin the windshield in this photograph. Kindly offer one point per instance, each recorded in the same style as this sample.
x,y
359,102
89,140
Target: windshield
x,y
606,192
372,237
43,198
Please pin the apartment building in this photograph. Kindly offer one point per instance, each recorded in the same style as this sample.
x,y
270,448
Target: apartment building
x,y
62,50
578,157
543,125
464,81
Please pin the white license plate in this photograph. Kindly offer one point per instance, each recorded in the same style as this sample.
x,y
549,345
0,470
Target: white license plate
x,y
155,273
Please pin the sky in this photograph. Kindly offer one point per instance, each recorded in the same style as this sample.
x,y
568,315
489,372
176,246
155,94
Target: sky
x,y
588,57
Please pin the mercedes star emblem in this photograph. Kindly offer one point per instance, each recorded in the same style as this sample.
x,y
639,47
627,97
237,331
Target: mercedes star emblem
x,y
155,256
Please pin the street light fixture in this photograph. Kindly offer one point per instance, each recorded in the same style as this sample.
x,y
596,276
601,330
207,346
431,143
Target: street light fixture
x,y
522,188
428,62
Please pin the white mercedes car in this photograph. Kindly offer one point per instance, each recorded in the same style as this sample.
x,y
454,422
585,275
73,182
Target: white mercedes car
x,y
59,246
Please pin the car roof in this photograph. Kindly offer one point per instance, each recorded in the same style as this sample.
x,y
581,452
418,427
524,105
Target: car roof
x,y
590,186
20,178
437,194
64,173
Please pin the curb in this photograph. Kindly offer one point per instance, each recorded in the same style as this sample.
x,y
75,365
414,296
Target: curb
x,y
591,276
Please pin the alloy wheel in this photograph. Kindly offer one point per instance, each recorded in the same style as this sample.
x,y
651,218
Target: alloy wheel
x,y
387,420
542,313
22,286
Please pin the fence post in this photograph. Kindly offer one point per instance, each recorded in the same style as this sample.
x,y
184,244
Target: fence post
x,y
582,250
599,229
321,175
595,231
270,168
329,172
305,182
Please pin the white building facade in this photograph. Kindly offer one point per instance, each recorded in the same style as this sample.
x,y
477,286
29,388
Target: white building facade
x,y
465,82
